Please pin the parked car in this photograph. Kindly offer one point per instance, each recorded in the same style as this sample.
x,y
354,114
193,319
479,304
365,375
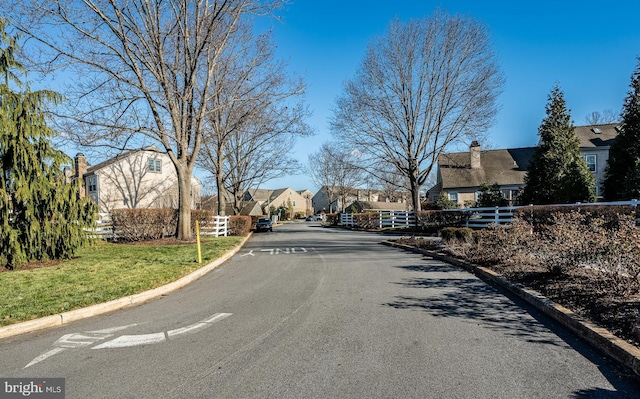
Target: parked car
x,y
264,224
313,217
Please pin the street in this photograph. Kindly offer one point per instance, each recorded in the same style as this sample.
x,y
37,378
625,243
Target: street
x,y
312,312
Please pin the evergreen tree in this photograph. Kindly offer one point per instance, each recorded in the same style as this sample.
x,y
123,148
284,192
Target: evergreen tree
x,y
491,196
622,179
557,173
41,215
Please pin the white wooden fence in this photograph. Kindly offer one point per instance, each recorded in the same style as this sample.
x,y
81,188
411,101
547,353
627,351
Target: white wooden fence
x,y
476,217
483,217
103,229
218,227
386,219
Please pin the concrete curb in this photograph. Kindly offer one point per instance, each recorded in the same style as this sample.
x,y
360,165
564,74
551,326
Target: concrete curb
x,y
602,339
116,304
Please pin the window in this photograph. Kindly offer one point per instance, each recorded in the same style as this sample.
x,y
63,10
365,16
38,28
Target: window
x,y
155,165
92,184
453,196
591,162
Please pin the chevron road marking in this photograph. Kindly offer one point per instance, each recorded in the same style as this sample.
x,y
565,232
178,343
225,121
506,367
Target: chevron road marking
x,y
88,338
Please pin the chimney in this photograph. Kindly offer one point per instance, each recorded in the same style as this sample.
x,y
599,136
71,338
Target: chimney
x,y
80,163
474,151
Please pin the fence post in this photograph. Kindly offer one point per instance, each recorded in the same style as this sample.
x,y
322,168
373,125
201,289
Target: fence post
x,y
497,216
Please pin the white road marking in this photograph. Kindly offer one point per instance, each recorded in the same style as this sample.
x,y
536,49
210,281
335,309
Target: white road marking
x,y
88,338
248,253
71,341
285,251
125,341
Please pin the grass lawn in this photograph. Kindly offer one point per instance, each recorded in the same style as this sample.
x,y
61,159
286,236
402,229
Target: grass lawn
x,y
100,273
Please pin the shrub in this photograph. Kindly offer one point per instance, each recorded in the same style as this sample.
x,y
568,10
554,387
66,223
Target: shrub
x,y
433,220
456,233
143,224
239,225
367,220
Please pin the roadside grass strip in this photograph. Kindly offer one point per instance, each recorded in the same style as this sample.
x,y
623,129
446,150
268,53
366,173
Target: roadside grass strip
x,y
100,273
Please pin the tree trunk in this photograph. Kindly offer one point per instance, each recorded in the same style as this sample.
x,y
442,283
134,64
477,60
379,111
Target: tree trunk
x,y
184,202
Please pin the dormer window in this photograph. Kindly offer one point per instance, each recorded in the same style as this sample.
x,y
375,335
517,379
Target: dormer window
x,y
155,165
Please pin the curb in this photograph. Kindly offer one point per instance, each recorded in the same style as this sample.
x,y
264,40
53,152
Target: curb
x,y
602,339
116,304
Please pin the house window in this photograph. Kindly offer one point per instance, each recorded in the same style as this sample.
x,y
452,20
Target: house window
x,y
591,162
453,196
155,165
92,184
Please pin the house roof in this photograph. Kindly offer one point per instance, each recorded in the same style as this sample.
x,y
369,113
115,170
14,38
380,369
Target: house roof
x,y
505,167
122,155
597,135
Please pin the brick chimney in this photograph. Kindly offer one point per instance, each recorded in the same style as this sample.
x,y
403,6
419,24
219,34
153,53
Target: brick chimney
x,y
474,151
80,166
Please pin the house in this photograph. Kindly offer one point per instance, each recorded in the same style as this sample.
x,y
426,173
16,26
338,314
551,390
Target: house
x,y
460,175
332,199
595,143
308,196
280,198
142,178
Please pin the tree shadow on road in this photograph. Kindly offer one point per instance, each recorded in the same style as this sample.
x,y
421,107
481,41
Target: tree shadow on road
x,y
444,290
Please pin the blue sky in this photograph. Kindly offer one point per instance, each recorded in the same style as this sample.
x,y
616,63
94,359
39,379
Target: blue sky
x,y
589,48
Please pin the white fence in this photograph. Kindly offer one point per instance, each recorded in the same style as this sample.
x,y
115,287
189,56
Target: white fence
x,y
476,217
219,226
386,219
483,217
103,229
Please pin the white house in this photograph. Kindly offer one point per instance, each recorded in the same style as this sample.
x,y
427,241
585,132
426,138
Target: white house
x,y
143,178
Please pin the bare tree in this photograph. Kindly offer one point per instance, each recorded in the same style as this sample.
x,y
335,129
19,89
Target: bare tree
x,y
337,169
144,69
601,118
253,119
424,85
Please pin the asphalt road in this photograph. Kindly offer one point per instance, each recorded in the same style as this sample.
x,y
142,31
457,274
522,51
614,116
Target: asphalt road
x,y
309,312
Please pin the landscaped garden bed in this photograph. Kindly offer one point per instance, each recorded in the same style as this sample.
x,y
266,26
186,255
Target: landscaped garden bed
x,y
585,262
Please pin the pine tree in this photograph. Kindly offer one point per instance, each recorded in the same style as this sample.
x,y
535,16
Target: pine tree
x,y
622,179
557,173
41,215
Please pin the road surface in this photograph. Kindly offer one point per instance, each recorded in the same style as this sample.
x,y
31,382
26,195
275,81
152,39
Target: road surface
x,y
311,312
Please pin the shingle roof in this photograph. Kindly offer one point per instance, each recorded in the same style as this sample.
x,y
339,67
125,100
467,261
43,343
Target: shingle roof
x,y
504,167
589,138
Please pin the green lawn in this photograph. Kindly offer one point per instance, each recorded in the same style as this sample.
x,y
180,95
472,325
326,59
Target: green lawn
x,y
100,273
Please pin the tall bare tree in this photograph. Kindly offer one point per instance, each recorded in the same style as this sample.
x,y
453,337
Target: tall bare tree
x,y
142,68
422,86
337,169
255,115
601,118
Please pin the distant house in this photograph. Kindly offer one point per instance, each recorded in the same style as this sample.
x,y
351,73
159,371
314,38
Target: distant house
x,y
595,143
460,175
365,206
283,197
142,178
308,196
332,199
247,208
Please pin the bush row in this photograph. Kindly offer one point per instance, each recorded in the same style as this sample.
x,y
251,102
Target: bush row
x,y
562,242
155,223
